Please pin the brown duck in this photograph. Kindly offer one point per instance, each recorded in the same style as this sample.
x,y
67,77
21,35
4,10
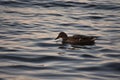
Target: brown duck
x,y
76,39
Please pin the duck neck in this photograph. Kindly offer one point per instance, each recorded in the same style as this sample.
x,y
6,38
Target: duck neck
x,y
64,38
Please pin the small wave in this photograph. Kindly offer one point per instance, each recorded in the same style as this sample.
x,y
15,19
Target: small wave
x,y
5,37
115,66
112,31
14,32
67,4
109,50
11,3
55,58
110,66
41,3
113,55
39,59
13,57
24,67
67,24
4,49
75,25
78,4
93,68
88,56
16,12
60,4
94,17
102,6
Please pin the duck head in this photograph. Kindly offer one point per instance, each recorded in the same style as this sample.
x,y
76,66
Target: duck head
x,y
62,35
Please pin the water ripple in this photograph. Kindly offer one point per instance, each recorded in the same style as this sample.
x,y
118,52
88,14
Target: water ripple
x,y
88,56
36,59
60,4
4,49
111,66
113,55
24,67
28,49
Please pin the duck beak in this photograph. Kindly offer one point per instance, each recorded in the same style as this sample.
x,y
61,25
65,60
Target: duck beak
x,y
57,38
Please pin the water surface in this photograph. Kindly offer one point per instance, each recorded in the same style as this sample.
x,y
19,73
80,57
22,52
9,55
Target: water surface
x,y
28,50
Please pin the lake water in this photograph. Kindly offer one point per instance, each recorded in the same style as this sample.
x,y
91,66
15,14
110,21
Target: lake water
x,y
29,51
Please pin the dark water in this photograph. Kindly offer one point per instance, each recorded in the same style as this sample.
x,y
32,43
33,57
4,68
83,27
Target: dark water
x,y
28,50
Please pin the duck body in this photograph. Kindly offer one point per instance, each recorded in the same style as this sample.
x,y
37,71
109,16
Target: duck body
x,y
76,39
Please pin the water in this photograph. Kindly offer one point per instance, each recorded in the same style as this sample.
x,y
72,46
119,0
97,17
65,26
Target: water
x,y
28,50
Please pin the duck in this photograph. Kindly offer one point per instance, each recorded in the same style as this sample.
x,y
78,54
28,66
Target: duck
x,y
76,39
